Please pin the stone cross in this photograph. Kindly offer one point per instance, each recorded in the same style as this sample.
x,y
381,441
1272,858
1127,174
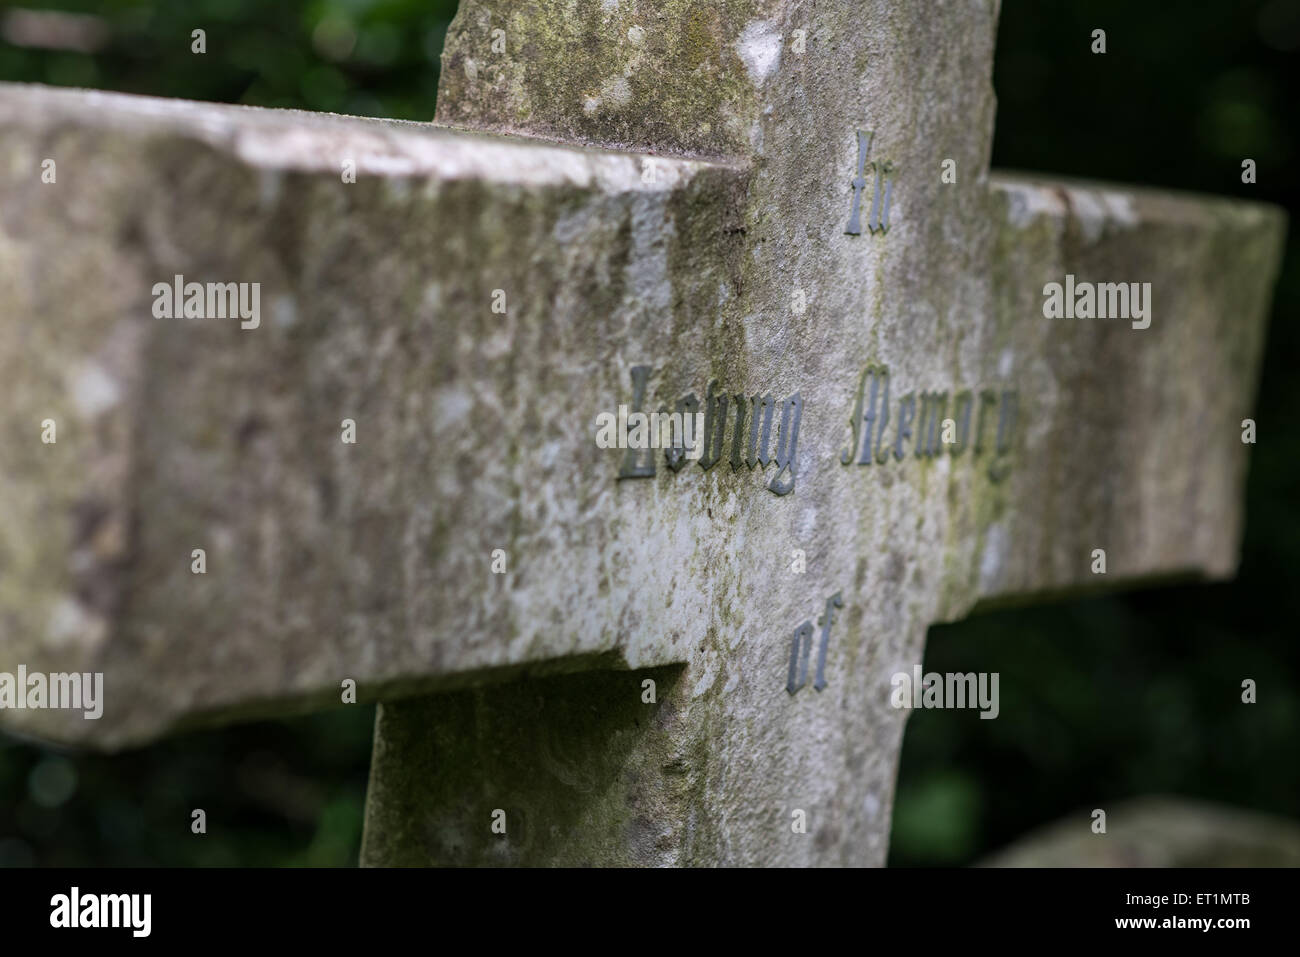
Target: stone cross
x,y
384,465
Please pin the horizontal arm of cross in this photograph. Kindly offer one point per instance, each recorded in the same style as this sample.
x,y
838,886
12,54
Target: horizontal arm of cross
x,y
475,439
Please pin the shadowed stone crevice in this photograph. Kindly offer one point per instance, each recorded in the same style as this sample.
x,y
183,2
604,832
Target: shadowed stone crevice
x,y
586,771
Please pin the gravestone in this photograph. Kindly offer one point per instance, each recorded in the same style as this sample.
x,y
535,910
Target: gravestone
x,y
778,216
1159,831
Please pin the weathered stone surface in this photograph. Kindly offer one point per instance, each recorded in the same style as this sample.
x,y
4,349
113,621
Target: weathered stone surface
x,y
949,298
476,431
654,75
1115,453
325,560
1160,832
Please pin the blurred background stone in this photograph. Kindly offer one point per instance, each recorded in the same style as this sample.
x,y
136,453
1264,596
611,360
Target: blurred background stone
x,y
1159,832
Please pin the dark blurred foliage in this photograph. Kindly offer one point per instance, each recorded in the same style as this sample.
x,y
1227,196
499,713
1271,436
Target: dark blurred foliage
x,y
274,793
365,57
1101,699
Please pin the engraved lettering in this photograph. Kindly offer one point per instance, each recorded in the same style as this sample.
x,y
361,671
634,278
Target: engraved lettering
x,y
906,412
864,414
987,398
855,420
715,427
692,432
631,468
687,405
1007,412
835,601
882,451
964,403
921,417
787,445
878,219
737,437
799,648
759,443
859,183
934,407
